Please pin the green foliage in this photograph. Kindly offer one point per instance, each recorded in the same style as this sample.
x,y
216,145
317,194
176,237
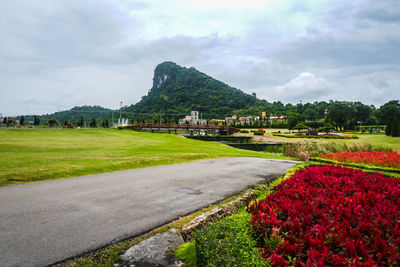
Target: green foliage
x,y
228,242
315,124
52,122
389,114
179,90
244,131
258,133
293,119
327,127
395,129
93,123
36,121
187,253
22,120
77,115
300,126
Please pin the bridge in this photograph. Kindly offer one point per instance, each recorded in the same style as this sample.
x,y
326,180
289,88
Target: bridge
x,y
158,127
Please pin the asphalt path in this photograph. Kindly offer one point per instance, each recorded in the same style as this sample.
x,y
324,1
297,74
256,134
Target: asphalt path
x,y
47,222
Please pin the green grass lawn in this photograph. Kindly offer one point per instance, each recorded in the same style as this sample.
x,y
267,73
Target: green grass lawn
x,y
28,155
381,140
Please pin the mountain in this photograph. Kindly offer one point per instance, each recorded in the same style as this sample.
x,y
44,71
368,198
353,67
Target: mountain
x,y
178,90
87,112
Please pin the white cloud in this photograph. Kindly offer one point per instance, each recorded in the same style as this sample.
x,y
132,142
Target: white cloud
x,y
305,87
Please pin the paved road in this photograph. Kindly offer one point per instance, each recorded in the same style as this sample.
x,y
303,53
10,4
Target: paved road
x,y
46,222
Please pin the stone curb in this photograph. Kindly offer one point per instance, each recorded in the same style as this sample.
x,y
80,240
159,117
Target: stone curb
x,y
214,215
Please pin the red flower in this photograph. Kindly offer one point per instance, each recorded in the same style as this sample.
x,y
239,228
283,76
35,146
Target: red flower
x,y
330,215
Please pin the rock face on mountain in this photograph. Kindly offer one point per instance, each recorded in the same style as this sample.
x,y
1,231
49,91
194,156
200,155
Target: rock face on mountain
x,y
178,89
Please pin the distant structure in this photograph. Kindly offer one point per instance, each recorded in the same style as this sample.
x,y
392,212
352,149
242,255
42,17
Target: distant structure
x,y
122,122
277,118
193,119
231,119
246,119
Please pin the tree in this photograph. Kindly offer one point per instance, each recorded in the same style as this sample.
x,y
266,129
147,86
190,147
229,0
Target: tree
x,y
340,113
81,123
362,112
300,126
105,124
36,120
93,123
326,128
389,114
294,119
52,122
5,121
22,120
395,131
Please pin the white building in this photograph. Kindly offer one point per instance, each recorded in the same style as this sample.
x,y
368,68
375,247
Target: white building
x,y
193,119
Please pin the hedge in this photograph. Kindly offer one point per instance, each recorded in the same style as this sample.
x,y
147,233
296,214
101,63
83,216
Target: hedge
x,y
228,242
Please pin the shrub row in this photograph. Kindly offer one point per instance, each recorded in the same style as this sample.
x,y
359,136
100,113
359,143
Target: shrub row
x,y
271,148
228,242
258,133
222,138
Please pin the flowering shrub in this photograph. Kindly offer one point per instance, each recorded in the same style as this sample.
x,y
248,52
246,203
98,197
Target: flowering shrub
x,y
331,215
380,158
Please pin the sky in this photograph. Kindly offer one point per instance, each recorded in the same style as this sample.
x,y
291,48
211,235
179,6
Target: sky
x,y
55,55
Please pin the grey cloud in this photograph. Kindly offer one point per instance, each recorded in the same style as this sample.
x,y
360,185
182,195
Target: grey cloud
x,y
378,81
384,11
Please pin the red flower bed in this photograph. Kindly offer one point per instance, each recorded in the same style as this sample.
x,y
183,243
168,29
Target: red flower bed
x,y
386,159
331,215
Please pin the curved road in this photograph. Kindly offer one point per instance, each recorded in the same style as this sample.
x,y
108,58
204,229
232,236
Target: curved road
x,y
44,223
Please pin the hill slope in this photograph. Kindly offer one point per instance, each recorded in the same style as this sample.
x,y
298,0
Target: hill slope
x,y
86,112
178,89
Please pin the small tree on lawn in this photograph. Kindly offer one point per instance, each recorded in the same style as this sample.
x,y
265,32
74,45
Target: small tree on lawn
x,y
395,127
22,120
37,121
326,128
93,123
52,122
300,126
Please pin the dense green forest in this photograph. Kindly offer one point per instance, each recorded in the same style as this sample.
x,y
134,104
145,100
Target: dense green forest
x,y
178,90
79,116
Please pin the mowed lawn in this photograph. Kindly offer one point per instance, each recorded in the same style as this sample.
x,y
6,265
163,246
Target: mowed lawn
x,y
28,155
381,140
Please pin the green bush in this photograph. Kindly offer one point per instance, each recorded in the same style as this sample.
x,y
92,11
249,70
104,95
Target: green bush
x,y
187,253
228,242
258,133
244,131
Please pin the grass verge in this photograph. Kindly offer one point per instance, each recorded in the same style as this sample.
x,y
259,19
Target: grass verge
x,y
29,155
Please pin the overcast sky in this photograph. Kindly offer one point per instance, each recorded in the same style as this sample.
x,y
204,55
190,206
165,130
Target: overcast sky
x,y
55,55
